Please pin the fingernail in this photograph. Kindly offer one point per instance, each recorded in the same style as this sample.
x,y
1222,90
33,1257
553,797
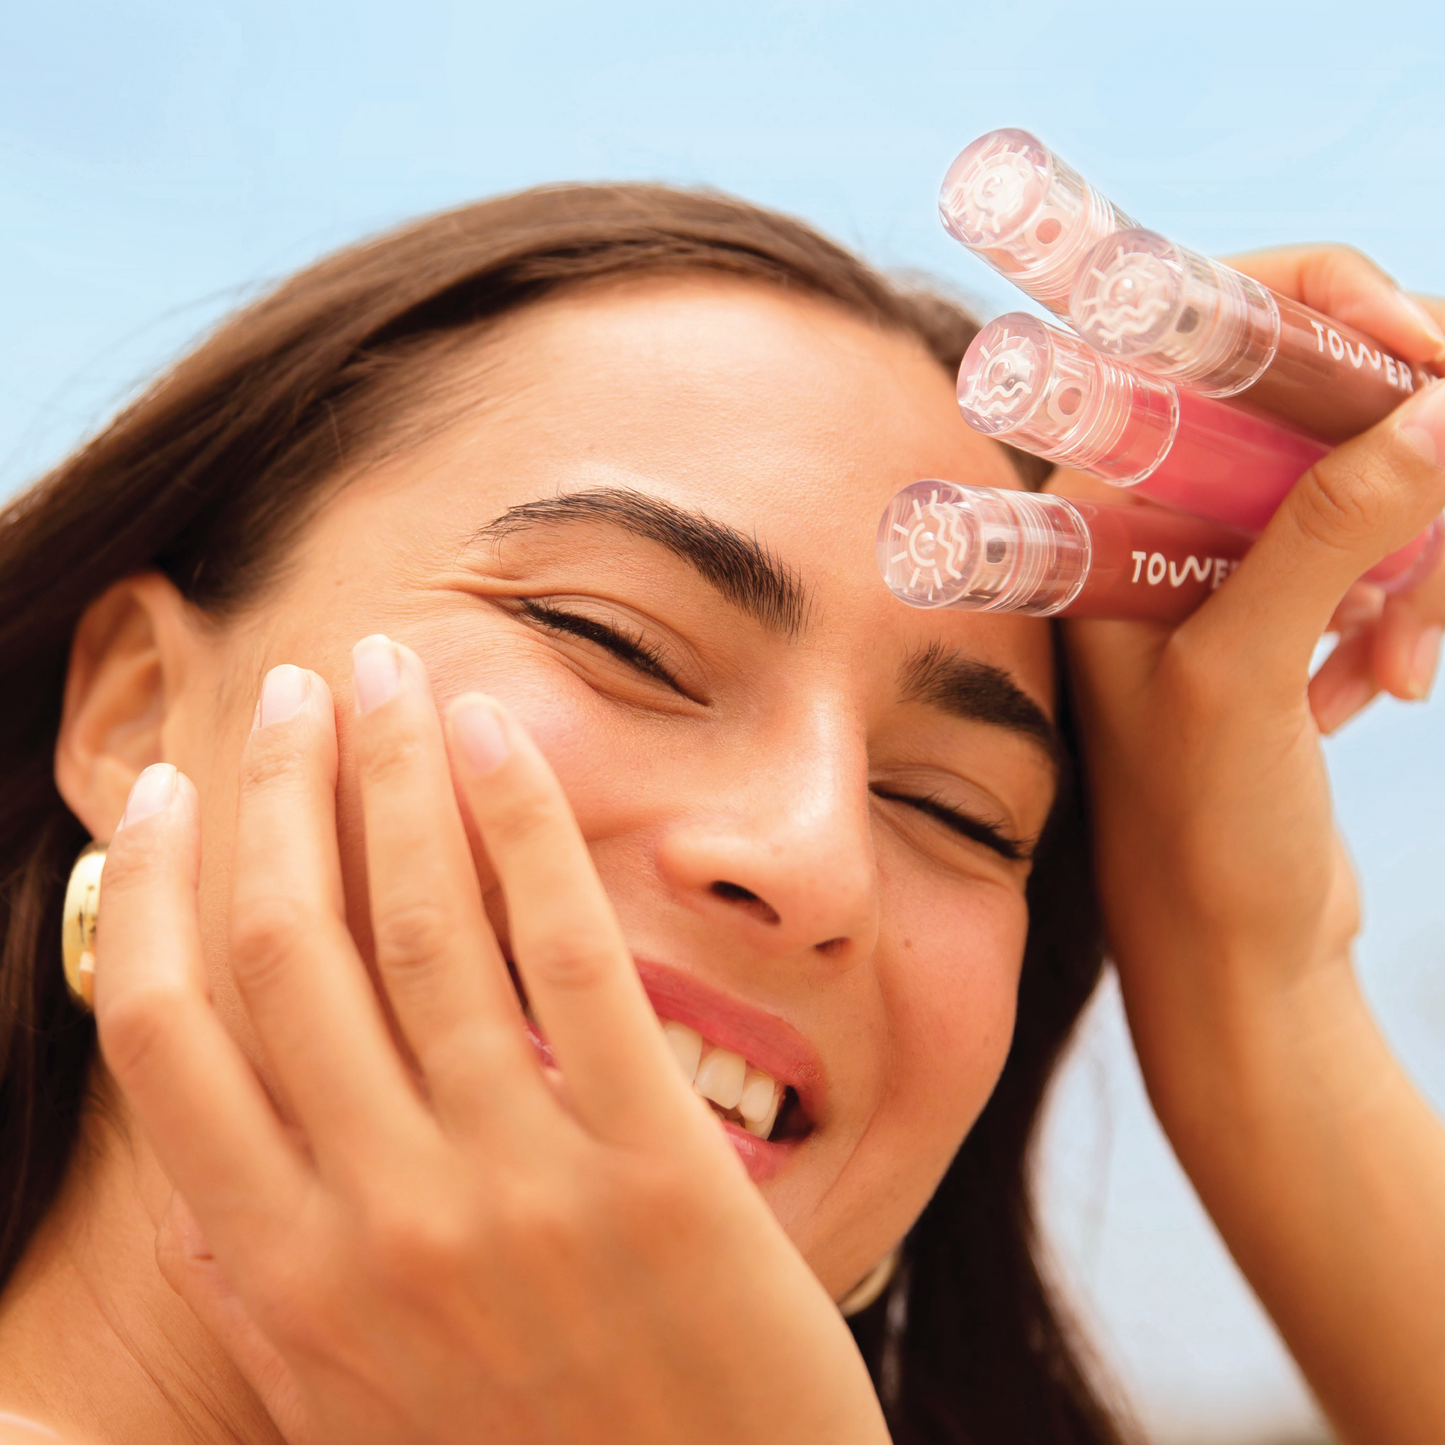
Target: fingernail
x,y
1423,425
480,735
1423,662
1427,323
375,672
1337,710
283,694
151,793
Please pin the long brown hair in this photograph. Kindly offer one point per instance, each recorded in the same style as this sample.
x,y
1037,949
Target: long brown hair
x,y
213,471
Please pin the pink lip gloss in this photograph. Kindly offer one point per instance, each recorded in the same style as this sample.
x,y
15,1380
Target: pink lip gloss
x,y
987,549
1043,390
1174,314
1017,206
1164,310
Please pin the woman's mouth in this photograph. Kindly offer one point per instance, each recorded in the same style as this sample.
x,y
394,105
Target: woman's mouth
x,y
738,1091
756,1108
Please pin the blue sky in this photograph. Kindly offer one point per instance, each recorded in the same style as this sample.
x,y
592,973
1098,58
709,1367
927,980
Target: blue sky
x,y
161,161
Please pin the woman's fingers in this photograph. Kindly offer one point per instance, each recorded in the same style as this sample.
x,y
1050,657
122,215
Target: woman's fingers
x,y
193,1092
303,983
435,951
1344,683
1355,506
564,936
1347,285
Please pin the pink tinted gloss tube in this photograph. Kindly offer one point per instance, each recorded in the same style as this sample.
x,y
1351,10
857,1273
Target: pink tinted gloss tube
x,y
1180,316
1043,390
1021,210
987,549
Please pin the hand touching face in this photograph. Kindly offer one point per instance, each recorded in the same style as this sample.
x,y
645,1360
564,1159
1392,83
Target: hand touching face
x,y
642,517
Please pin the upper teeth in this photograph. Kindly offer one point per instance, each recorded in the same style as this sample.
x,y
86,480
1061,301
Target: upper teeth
x,y
726,1079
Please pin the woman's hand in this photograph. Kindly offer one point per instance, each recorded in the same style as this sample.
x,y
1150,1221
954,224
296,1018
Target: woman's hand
x,y
1231,912
1386,644
458,1246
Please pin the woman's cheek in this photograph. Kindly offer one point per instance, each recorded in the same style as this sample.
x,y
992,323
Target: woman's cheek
x,y
949,964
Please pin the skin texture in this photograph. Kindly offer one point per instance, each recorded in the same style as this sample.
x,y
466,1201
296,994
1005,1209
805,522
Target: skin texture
x,y
892,946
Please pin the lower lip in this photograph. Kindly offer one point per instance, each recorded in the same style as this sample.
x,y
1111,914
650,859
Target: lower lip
x,y
762,1158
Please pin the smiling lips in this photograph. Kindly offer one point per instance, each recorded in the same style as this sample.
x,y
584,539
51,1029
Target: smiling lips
x,y
762,1078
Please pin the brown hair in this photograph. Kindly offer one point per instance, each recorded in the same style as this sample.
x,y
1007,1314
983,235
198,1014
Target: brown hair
x,y
217,466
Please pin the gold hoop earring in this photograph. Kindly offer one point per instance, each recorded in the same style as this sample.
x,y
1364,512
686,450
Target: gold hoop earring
x,y
867,1290
77,927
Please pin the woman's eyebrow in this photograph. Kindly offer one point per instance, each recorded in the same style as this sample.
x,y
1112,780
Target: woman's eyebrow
x,y
740,567
979,692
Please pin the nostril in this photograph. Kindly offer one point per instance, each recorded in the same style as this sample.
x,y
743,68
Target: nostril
x,y
831,947
747,899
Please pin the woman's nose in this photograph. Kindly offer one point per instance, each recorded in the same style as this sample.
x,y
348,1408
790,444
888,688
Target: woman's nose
x,y
784,853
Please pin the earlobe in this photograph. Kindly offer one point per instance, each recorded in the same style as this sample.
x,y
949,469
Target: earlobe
x,y
126,661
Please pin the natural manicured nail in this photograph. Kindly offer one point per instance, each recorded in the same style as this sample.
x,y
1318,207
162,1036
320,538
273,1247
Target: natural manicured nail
x,y
1423,661
1337,710
1423,424
1423,318
151,793
479,734
375,672
283,694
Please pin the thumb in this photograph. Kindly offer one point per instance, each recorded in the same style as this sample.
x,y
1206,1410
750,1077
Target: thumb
x,y
188,1266
1351,509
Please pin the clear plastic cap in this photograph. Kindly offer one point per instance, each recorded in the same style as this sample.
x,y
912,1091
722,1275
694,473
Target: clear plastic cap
x,y
1044,391
1173,313
983,549
1014,203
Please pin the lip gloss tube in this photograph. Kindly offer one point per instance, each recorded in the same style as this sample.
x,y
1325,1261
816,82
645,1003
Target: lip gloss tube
x,y
987,549
1043,390
1175,314
1026,213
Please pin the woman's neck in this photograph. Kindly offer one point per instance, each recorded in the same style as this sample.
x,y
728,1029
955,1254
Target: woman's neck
x,y
95,1343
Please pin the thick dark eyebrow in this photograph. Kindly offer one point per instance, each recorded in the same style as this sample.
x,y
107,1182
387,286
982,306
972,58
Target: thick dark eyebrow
x,y
979,692
740,567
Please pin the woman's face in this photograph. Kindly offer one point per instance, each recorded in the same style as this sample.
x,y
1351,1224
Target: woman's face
x,y
651,535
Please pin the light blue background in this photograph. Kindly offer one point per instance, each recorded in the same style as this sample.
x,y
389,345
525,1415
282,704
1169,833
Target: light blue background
x,y
161,161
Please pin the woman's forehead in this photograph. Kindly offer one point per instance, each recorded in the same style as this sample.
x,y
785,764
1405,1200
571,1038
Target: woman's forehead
x,y
783,419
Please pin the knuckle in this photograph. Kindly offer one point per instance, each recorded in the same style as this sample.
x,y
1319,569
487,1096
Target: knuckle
x,y
570,959
271,759
1342,502
137,1028
393,754
537,1229
520,819
412,932
414,1245
266,931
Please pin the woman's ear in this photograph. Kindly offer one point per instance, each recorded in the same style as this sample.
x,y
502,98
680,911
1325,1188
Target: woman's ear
x,y
126,664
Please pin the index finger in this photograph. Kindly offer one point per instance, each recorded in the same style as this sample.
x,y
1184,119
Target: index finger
x,y
1345,284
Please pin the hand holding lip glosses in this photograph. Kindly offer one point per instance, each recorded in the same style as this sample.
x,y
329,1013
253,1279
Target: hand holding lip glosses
x,y
1043,390
1164,310
987,549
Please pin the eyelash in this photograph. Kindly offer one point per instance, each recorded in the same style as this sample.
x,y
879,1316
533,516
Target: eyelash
x,y
961,823
639,653
636,651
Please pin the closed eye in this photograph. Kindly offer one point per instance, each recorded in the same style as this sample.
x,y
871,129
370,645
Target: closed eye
x,y
636,651
961,823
